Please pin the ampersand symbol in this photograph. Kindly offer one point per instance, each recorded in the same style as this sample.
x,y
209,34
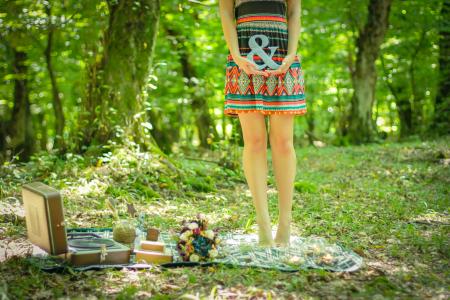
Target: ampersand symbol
x,y
258,49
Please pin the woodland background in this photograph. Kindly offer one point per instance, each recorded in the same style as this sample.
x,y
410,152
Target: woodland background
x,y
121,101
81,74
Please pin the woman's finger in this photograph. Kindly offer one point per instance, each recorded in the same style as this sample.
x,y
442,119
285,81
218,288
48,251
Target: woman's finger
x,y
278,71
254,70
282,69
251,71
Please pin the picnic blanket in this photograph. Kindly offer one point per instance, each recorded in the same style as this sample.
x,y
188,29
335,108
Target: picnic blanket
x,y
303,253
237,249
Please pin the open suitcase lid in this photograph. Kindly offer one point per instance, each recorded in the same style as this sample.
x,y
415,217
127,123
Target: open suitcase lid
x,y
44,217
46,228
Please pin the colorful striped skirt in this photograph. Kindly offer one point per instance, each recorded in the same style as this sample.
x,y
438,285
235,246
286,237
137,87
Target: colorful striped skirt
x,y
263,38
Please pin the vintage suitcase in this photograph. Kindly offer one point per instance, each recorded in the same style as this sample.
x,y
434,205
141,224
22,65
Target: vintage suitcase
x,y
44,217
91,249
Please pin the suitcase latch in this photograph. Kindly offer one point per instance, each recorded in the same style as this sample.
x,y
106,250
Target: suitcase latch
x,y
60,224
103,253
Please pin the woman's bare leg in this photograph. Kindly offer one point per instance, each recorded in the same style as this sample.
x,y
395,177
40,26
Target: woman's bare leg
x,y
255,170
284,163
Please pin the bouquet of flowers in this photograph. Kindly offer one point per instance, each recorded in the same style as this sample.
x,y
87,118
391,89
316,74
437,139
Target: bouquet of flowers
x,y
196,242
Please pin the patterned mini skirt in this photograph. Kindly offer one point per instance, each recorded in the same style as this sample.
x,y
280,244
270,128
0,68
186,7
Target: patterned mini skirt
x,y
263,39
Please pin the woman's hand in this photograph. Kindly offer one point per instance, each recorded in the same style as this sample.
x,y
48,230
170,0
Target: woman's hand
x,y
287,62
248,66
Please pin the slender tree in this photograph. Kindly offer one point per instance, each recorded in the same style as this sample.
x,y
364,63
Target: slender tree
x,y
364,75
20,137
57,102
441,122
400,92
203,119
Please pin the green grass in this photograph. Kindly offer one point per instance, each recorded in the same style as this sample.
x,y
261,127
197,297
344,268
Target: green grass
x,y
387,202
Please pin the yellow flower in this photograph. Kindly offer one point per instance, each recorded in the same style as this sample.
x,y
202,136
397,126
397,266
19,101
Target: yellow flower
x,y
194,257
296,260
185,235
213,253
193,225
209,234
327,258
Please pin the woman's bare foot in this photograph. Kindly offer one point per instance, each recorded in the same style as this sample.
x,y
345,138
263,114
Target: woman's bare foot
x,y
281,245
282,238
266,241
266,244
265,236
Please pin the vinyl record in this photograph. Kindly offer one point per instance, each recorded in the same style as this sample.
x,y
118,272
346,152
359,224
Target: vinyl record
x,y
94,243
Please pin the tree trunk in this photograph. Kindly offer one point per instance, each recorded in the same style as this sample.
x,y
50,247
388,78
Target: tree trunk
x,y
311,124
115,81
200,109
164,136
199,104
370,38
20,137
441,122
57,103
417,101
403,104
405,112
41,120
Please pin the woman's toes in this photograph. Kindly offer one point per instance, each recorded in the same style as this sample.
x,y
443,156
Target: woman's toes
x,y
267,244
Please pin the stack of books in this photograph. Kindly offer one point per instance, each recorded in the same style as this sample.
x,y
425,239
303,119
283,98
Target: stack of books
x,y
152,252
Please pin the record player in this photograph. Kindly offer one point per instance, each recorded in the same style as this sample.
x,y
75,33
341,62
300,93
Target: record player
x,y
46,228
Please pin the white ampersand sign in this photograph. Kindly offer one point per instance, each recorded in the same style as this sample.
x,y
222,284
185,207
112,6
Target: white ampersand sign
x,y
258,49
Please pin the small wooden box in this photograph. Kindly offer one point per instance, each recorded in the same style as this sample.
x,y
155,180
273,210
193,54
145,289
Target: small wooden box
x,y
153,246
152,256
152,234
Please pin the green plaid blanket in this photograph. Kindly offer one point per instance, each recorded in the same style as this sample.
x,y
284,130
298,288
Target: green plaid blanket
x,y
242,250
303,253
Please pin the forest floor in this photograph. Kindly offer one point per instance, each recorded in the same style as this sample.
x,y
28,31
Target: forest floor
x,y
388,202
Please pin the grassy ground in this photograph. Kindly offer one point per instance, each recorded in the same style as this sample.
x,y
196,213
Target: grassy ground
x,y
389,203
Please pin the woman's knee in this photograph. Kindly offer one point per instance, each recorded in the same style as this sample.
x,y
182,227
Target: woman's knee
x,y
282,144
256,143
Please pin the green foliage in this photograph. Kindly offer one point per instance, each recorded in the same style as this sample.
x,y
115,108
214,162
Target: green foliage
x,y
407,69
387,202
305,187
24,24
199,184
145,190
